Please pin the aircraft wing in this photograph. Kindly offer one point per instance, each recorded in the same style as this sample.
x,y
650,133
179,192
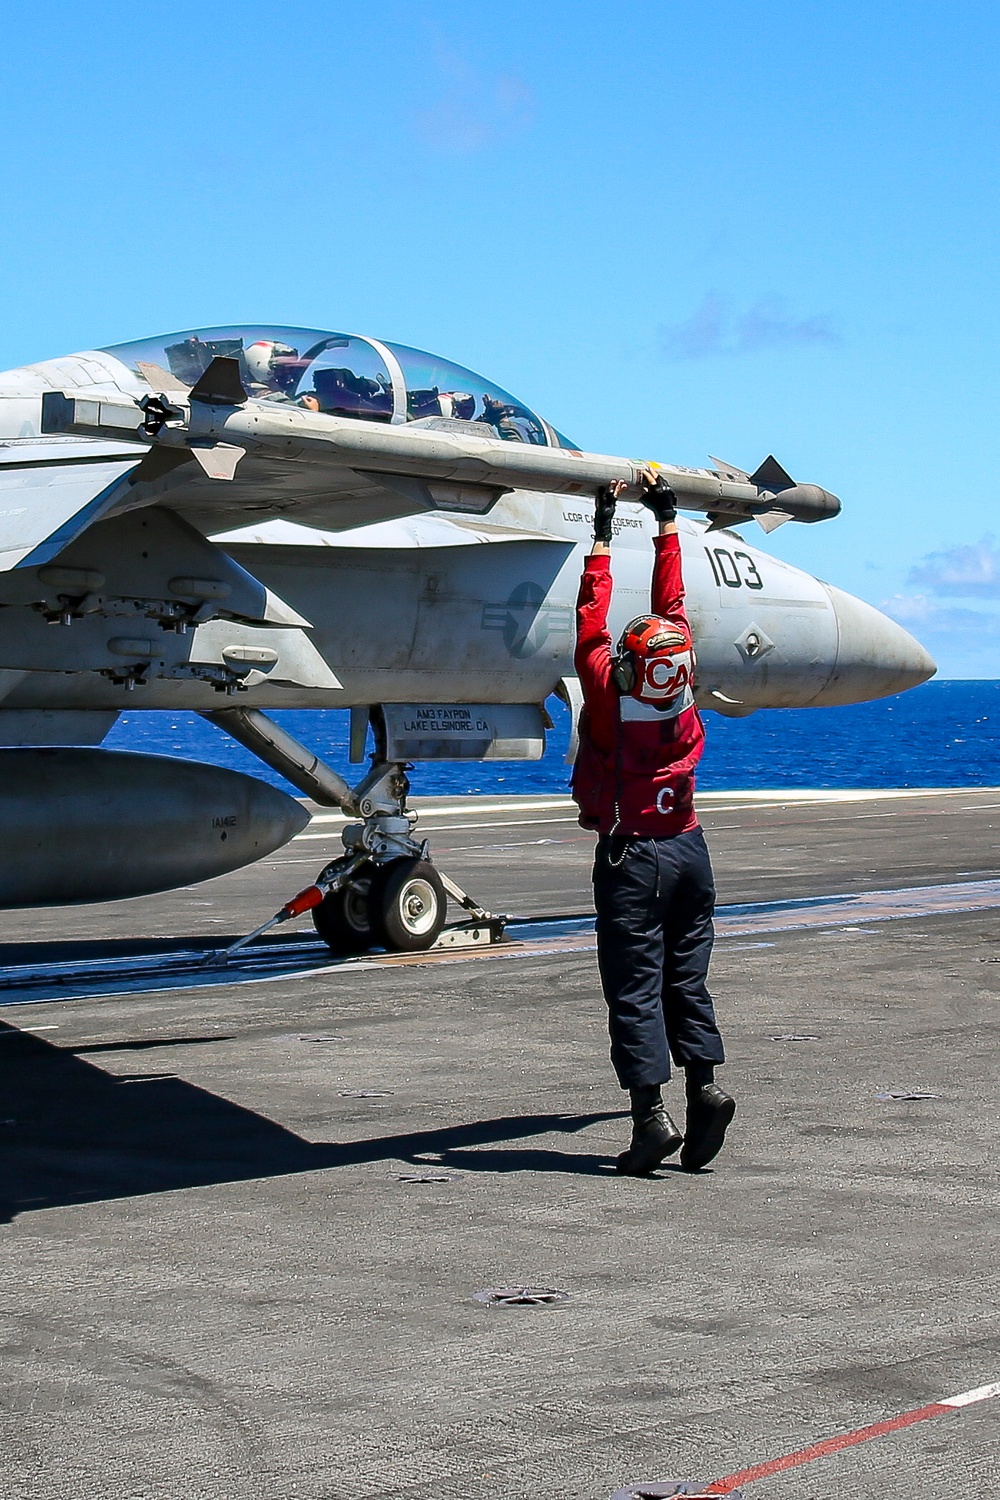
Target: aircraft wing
x,y
53,488
419,531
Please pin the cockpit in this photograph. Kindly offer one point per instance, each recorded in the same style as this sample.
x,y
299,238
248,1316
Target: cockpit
x,y
343,375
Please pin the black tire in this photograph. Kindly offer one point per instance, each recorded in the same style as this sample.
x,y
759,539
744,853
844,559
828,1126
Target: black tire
x,y
408,905
343,918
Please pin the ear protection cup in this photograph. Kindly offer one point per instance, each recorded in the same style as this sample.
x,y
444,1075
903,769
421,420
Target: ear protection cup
x,y
623,673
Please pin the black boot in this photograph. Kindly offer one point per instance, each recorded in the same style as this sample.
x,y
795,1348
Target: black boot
x,y
709,1112
654,1134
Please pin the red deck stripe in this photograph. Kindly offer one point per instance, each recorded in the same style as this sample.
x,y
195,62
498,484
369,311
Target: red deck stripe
x,y
828,1445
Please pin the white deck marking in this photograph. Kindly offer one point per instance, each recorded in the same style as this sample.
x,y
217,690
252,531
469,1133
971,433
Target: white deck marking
x,y
828,1446
452,827
456,812
969,1398
711,801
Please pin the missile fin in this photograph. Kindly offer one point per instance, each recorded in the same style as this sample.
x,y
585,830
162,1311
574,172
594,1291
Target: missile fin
x,y
730,471
218,460
159,378
220,385
718,519
772,519
769,476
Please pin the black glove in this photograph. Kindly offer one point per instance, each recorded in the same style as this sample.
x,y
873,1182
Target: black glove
x,y
660,499
604,514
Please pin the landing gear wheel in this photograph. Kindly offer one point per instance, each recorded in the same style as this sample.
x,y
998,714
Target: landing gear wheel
x,y
408,905
343,918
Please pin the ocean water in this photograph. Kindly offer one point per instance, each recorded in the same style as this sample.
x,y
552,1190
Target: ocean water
x,y
941,734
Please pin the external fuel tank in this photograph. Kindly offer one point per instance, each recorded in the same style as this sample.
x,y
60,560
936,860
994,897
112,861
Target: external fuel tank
x,y
84,825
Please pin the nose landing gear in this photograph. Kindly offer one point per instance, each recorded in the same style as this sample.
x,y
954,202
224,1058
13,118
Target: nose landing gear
x,y
386,892
391,896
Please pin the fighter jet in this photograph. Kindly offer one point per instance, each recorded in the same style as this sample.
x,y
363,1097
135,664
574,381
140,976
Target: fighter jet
x,y
239,519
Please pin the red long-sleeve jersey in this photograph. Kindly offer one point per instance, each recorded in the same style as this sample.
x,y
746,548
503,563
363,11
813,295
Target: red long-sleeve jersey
x,y
634,772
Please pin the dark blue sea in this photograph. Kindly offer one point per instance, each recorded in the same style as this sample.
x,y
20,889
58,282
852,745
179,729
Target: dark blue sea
x,y
941,734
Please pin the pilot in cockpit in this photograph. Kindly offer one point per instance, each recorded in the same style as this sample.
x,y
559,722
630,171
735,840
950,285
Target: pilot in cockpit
x,y
501,416
272,369
341,392
433,402
459,405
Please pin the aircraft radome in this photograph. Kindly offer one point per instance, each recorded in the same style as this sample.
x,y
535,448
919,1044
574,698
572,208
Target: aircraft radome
x,y
241,519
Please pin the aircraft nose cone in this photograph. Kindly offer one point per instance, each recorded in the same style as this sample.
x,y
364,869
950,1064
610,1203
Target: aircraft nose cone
x,y
875,656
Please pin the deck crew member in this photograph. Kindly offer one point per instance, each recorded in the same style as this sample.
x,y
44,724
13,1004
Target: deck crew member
x,y
641,737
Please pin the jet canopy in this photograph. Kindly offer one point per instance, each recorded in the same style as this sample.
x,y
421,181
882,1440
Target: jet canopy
x,y
344,375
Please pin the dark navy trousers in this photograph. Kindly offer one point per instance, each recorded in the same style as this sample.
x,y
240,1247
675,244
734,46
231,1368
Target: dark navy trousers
x,y
654,901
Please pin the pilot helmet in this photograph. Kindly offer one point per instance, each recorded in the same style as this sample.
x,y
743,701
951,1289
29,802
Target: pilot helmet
x,y
263,360
655,662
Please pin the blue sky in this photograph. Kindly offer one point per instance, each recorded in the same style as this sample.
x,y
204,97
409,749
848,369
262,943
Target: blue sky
x,y
675,229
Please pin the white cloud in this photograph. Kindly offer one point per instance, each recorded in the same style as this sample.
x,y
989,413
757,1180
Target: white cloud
x,y
474,109
715,328
952,603
963,572
964,640
918,610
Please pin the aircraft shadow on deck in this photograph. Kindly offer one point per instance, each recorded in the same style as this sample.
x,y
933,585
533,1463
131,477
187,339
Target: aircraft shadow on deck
x,y
72,1133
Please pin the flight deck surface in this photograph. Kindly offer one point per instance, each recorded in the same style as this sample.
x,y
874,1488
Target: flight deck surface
x,y
244,1222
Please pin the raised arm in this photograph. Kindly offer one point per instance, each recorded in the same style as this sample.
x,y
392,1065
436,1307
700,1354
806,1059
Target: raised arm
x,y
593,655
667,593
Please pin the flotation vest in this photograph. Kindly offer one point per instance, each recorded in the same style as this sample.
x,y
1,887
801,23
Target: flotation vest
x,y
645,785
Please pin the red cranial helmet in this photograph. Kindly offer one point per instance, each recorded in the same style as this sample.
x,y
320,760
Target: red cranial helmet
x,y
655,661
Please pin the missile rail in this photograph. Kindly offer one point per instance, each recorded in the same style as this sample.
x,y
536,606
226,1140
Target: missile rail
x,y
219,424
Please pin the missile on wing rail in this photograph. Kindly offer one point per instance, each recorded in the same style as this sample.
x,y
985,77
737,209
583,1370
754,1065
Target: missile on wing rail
x,y
97,825
219,424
